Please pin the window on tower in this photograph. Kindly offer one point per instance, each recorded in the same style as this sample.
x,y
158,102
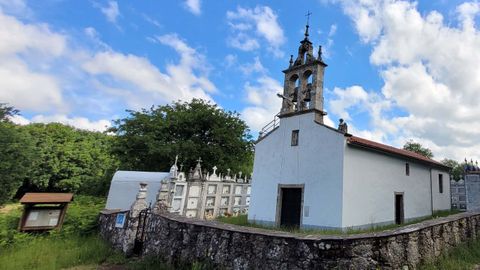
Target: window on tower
x,y
295,137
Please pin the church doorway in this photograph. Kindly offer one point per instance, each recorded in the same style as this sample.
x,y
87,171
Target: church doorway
x,y
290,206
399,213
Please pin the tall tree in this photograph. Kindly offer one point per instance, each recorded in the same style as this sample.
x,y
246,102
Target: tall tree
x,y
6,112
150,139
70,159
16,157
457,169
418,148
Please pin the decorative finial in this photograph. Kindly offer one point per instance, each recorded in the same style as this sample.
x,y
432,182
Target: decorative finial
x,y
176,160
181,166
320,53
342,126
291,60
308,21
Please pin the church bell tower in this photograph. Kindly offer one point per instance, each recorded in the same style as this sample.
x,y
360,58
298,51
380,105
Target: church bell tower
x,y
303,86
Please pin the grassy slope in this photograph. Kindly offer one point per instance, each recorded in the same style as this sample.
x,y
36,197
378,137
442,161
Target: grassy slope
x,y
76,244
76,247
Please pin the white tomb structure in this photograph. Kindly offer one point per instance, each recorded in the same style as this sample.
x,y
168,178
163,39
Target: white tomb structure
x,y
466,192
198,194
308,174
204,195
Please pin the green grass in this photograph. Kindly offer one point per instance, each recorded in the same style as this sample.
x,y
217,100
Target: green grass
x,y
465,256
77,246
243,221
58,252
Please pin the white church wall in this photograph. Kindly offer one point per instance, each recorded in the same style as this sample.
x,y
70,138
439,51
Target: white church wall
x,y
441,200
316,162
371,180
124,188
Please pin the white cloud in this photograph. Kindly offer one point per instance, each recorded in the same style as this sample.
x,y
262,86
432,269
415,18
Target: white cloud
x,y
25,53
111,11
230,60
194,6
52,76
327,49
17,37
141,84
248,25
263,104
152,21
430,71
244,42
78,122
254,67
20,120
25,89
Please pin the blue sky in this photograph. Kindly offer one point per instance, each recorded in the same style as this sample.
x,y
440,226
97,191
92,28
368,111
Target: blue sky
x,y
398,70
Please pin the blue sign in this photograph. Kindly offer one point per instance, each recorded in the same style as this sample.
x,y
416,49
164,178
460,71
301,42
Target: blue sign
x,y
120,221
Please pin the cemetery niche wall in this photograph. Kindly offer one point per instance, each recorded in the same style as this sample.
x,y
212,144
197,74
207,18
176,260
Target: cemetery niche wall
x,y
196,194
43,211
466,192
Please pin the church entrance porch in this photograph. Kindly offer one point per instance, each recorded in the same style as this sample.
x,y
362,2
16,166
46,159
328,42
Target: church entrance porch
x,y
399,213
289,205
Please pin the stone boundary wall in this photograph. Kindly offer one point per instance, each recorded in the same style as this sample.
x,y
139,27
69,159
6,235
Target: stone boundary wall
x,y
182,240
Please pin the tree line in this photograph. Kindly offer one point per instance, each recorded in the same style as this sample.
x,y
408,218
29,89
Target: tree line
x,y
59,158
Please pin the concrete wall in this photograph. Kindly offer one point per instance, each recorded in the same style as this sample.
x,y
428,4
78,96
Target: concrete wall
x,y
371,180
180,240
316,162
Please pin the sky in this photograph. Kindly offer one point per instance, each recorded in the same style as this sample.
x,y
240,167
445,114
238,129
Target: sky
x,y
397,70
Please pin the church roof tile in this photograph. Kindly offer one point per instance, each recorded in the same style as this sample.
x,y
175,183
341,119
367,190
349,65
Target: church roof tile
x,y
357,141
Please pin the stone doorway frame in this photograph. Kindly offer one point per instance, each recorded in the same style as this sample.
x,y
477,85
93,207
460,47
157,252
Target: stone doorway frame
x,y
279,202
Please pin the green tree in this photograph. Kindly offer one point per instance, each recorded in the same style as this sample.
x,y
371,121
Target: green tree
x,y
7,111
150,139
16,156
70,159
418,148
457,169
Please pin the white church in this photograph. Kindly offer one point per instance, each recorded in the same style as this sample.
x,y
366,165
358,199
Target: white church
x,y
308,174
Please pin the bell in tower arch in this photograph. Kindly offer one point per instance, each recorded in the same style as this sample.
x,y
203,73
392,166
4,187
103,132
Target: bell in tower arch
x,y
294,94
308,94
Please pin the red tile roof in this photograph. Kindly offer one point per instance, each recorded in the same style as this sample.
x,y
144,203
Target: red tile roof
x,y
46,198
392,150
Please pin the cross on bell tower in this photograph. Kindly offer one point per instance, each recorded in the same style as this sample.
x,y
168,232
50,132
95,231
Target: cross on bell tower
x,y
303,84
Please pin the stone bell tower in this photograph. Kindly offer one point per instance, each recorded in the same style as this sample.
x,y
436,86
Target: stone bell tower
x,y
303,86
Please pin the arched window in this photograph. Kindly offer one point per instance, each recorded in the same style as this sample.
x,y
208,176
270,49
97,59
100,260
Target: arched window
x,y
294,87
308,77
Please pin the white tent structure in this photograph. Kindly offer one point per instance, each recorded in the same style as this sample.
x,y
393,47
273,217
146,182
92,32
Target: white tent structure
x,y
125,185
